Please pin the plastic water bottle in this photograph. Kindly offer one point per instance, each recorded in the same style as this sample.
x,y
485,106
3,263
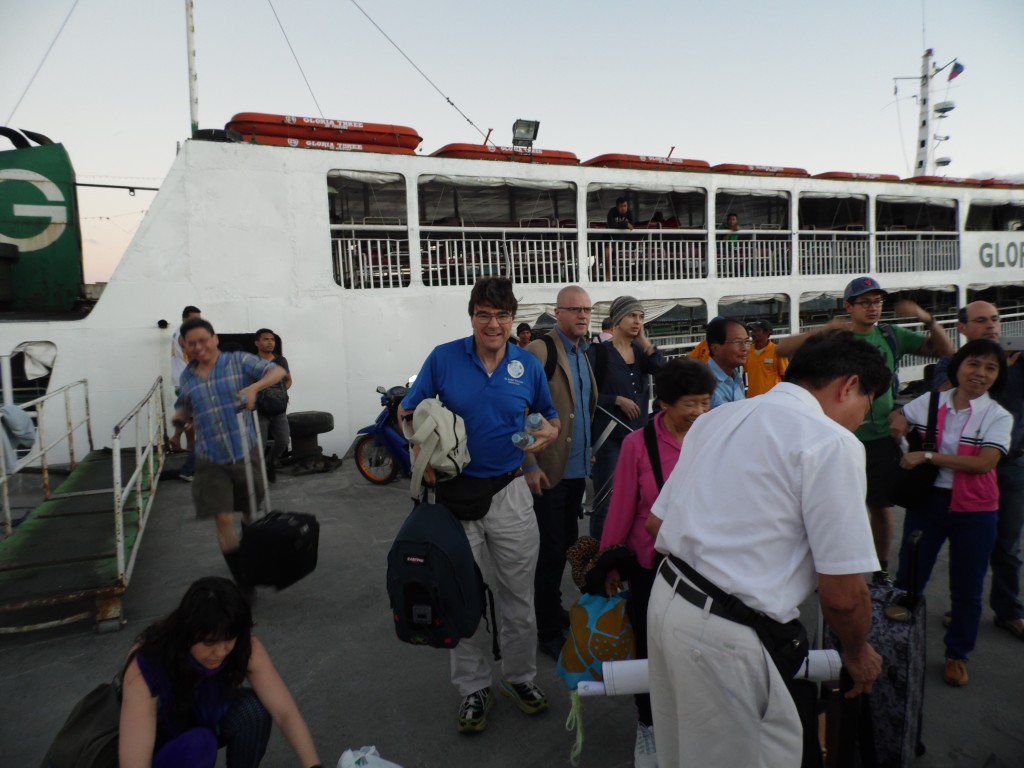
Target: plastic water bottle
x,y
524,439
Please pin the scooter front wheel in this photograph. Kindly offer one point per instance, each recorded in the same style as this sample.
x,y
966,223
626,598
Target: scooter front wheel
x,y
375,461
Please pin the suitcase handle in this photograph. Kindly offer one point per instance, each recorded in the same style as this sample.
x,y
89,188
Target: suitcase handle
x,y
250,483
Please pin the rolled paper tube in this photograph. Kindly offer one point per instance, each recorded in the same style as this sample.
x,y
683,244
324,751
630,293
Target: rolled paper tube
x,y
625,677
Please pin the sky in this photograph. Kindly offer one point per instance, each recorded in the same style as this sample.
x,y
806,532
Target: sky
x,y
799,83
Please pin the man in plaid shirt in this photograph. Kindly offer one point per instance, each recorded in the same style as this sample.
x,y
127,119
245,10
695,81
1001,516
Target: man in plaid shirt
x,y
213,386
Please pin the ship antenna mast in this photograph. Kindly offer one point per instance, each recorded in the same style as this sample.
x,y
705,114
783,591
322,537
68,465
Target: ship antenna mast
x,y
193,84
925,162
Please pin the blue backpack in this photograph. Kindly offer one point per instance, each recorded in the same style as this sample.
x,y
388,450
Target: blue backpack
x,y
436,591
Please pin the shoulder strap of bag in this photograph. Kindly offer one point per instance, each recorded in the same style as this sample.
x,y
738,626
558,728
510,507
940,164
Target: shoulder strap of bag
x,y
600,364
551,361
890,338
651,441
930,443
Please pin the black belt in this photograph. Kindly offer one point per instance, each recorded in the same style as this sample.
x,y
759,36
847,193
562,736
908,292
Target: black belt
x,y
690,594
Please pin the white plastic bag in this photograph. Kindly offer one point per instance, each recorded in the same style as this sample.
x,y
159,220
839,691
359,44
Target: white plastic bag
x,y
364,757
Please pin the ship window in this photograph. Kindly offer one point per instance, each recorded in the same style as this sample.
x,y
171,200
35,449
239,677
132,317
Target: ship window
x,y
754,209
993,216
477,201
366,198
915,214
832,212
666,207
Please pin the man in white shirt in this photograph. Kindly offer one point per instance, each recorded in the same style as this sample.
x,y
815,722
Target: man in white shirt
x,y
766,503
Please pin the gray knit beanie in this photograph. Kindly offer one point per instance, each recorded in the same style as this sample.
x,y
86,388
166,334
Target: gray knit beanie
x,y
622,306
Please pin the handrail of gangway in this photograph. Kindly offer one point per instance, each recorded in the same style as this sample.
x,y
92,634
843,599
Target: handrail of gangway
x,y
42,448
151,406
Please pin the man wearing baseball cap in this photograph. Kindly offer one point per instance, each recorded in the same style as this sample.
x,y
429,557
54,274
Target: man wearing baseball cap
x,y
863,300
764,366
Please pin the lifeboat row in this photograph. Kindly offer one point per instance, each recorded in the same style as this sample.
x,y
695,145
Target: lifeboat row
x,y
357,136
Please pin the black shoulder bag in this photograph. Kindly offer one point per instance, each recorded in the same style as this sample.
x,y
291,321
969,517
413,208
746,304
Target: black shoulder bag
x,y
912,486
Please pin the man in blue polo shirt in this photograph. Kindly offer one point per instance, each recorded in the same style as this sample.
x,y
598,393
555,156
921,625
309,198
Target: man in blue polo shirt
x,y
492,384
729,343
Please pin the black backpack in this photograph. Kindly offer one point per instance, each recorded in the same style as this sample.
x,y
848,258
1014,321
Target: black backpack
x,y
436,591
551,359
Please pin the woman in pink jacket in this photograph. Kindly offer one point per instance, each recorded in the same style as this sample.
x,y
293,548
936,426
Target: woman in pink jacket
x,y
683,389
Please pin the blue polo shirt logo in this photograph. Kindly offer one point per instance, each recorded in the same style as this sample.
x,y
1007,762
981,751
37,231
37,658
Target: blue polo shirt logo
x,y
515,369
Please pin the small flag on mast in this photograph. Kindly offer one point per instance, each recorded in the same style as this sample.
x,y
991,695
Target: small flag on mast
x,y
955,72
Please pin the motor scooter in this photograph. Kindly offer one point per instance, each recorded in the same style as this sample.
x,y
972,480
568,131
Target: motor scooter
x,y
382,451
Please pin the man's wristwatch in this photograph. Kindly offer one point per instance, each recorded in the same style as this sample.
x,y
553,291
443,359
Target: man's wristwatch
x,y
928,456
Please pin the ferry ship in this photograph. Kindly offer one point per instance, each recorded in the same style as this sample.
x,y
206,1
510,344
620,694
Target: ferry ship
x,y
362,259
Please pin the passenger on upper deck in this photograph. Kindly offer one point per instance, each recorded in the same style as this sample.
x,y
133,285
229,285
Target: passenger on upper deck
x,y
619,216
729,344
732,224
863,300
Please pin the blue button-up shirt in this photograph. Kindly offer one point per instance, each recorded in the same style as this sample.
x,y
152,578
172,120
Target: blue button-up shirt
x,y
212,402
578,463
730,388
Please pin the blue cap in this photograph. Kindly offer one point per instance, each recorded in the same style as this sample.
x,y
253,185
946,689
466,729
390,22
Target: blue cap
x,y
861,285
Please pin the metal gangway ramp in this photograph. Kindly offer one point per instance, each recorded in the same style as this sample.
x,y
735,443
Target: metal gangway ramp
x,y
71,557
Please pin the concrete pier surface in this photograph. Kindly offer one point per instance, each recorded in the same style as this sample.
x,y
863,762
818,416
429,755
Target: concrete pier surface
x,y
332,639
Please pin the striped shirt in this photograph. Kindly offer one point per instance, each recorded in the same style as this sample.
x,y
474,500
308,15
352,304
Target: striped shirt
x,y
212,401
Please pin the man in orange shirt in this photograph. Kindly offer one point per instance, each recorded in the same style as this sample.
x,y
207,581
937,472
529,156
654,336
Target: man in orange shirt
x,y
764,366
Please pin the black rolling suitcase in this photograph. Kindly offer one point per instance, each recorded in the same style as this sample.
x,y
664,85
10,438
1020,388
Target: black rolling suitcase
x,y
279,548
884,729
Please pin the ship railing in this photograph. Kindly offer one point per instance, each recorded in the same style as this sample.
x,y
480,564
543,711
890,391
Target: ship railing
x,y
530,253
146,422
833,252
755,254
922,251
647,255
75,399
371,255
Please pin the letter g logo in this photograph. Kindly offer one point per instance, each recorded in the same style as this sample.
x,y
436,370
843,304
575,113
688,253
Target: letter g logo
x,y
56,215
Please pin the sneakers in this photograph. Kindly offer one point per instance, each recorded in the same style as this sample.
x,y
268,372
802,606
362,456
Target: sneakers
x,y
186,478
474,709
528,697
955,672
882,579
645,754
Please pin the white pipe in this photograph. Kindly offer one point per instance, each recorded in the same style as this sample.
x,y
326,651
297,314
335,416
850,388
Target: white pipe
x,y
625,677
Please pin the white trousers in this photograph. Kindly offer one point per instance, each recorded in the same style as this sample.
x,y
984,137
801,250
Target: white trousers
x,y
716,695
505,543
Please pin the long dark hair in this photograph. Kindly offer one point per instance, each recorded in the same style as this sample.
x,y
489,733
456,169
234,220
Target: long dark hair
x,y
212,609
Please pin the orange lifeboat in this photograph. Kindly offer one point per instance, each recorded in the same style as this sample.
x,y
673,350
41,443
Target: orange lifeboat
x,y
1001,184
759,170
508,154
844,176
647,163
338,146
944,181
344,131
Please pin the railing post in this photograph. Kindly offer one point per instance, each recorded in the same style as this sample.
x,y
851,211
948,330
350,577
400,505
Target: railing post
x,y
40,422
7,379
69,424
118,506
4,479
